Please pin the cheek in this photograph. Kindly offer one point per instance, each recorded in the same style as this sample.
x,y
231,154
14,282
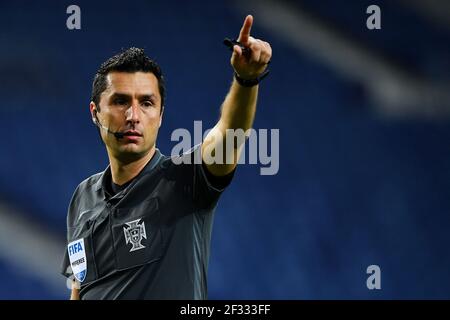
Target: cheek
x,y
153,123
112,119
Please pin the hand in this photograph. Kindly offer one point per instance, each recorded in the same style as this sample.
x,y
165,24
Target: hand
x,y
253,65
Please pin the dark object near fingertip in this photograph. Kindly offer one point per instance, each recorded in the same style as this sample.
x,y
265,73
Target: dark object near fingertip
x,y
230,43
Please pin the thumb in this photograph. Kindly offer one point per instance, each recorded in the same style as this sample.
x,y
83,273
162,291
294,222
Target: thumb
x,y
237,52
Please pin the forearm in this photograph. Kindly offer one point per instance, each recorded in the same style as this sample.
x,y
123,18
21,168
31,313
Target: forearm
x,y
238,109
225,141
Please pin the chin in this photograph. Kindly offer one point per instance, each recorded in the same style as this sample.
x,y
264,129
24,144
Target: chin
x,y
131,149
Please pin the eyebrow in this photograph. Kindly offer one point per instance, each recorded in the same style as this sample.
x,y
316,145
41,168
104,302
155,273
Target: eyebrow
x,y
120,95
150,96
127,96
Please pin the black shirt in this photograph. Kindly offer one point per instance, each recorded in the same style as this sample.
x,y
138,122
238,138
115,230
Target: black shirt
x,y
151,239
113,188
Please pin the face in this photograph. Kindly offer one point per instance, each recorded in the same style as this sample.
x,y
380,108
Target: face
x,y
131,104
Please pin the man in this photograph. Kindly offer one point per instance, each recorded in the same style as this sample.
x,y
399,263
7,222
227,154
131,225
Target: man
x,y
142,228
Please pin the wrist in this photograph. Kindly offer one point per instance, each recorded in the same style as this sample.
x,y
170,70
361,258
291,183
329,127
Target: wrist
x,y
245,82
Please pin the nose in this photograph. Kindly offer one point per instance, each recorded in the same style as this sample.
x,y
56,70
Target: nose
x,y
132,114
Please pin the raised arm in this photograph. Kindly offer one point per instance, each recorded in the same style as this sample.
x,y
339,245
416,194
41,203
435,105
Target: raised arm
x,y
239,106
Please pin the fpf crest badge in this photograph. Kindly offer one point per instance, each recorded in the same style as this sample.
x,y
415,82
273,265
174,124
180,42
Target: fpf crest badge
x,y
134,233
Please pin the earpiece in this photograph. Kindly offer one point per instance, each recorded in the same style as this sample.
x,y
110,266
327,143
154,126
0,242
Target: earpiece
x,y
94,118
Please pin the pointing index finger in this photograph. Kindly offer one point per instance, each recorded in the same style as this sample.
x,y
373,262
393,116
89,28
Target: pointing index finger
x,y
245,30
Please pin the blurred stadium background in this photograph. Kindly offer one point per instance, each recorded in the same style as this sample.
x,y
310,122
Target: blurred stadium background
x,y
364,119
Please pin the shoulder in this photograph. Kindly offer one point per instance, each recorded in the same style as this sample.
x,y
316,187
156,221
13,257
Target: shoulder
x,y
181,166
88,185
189,157
84,196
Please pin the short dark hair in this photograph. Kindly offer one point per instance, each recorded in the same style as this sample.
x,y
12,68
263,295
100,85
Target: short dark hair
x,y
130,60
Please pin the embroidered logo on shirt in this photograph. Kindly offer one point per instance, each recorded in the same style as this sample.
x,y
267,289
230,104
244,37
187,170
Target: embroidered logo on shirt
x,y
134,232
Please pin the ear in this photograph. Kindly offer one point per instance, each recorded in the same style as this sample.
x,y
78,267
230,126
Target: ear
x,y
93,110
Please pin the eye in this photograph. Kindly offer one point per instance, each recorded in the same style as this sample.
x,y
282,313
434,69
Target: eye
x,y
120,101
147,103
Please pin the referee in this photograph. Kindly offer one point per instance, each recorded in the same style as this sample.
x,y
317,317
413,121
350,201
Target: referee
x,y
141,229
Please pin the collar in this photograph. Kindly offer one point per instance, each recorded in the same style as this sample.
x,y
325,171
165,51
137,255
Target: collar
x,y
106,174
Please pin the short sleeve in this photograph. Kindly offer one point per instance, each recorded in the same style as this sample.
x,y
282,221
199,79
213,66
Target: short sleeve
x,y
66,269
206,188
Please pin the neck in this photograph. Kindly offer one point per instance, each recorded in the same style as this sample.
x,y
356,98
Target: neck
x,y
123,171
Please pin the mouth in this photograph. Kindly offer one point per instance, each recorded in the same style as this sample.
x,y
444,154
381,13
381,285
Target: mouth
x,y
132,133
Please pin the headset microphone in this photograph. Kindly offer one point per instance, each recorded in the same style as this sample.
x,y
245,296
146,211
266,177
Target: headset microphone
x,y
118,135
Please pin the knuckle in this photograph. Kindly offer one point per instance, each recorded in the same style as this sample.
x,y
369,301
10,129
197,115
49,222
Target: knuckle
x,y
256,46
263,57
